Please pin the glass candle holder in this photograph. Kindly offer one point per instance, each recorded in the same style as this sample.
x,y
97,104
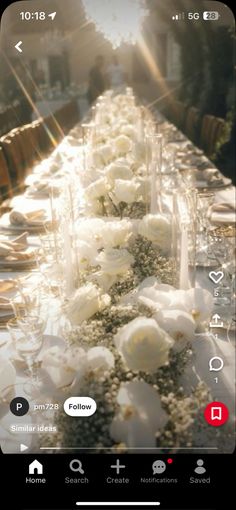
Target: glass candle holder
x,y
184,237
154,165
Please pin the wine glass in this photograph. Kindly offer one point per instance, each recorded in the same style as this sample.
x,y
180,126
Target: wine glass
x,y
49,266
168,159
34,297
187,177
27,337
204,203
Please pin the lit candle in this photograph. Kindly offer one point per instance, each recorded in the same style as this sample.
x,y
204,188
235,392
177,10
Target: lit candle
x,y
154,205
140,126
184,271
155,165
53,220
68,260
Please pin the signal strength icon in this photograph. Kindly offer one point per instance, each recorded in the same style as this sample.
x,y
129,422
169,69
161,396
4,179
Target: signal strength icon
x,y
179,16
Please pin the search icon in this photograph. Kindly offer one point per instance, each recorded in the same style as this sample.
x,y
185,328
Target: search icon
x,y
76,466
216,364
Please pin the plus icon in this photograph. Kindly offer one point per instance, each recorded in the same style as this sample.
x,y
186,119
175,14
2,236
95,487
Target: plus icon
x,y
117,466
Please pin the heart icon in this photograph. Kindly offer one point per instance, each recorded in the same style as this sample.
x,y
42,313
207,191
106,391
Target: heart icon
x,y
216,276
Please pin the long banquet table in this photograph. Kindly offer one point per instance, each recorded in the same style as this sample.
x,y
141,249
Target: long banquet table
x,y
69,156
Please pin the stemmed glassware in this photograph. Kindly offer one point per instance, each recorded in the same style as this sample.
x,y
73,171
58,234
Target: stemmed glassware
x,y
27,338
204,203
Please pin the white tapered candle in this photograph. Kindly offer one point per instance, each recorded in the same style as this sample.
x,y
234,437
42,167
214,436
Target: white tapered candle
x,y
184,270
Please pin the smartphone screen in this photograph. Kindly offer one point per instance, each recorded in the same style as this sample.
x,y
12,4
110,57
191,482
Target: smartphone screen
x,y
117,254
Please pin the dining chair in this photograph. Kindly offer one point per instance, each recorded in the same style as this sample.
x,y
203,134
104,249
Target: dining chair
x,y
5,181
14,158
192,122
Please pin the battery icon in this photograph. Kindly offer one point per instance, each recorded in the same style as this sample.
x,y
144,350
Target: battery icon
x,y
211,15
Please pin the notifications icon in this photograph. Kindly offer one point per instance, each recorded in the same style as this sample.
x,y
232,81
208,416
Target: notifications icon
x,y
216,364
158,467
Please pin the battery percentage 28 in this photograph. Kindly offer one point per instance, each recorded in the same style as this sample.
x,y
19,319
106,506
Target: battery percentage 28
x,y
211,15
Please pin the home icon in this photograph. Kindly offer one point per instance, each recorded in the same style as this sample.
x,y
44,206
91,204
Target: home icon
x,y
35,468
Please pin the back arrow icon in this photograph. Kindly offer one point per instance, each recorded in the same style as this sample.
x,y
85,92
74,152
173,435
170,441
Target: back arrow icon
x,y
17,46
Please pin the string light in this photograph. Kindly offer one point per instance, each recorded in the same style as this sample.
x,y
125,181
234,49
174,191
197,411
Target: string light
x,y
120,21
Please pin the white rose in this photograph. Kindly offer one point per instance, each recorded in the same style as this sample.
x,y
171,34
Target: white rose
x,y
97,158
107,153
63,366
85,302
103,280
119,99
86,253
89,230
156,228
143,345
116,233
129,131
161,295
199,302
103,155
114,261
140,152
90,176
100,359
153,294
140,416
177,323
99,136
153,298
130,114
122,144
97,189
126,191
117,126
118,170
93,208
144,190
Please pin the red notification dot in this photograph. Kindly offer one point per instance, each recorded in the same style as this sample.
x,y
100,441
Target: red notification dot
x,y
169,461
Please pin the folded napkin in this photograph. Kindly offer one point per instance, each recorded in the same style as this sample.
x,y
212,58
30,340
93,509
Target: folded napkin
x,y
32,218
225,198
17,245
224,208
5,304
19,255
225,217
7,285
44,188
17,249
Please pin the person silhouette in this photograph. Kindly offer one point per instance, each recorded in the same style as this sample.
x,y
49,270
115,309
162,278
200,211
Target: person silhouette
x,y
200,469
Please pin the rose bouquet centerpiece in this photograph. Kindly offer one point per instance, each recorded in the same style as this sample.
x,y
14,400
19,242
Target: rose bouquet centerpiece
x,y
132,331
